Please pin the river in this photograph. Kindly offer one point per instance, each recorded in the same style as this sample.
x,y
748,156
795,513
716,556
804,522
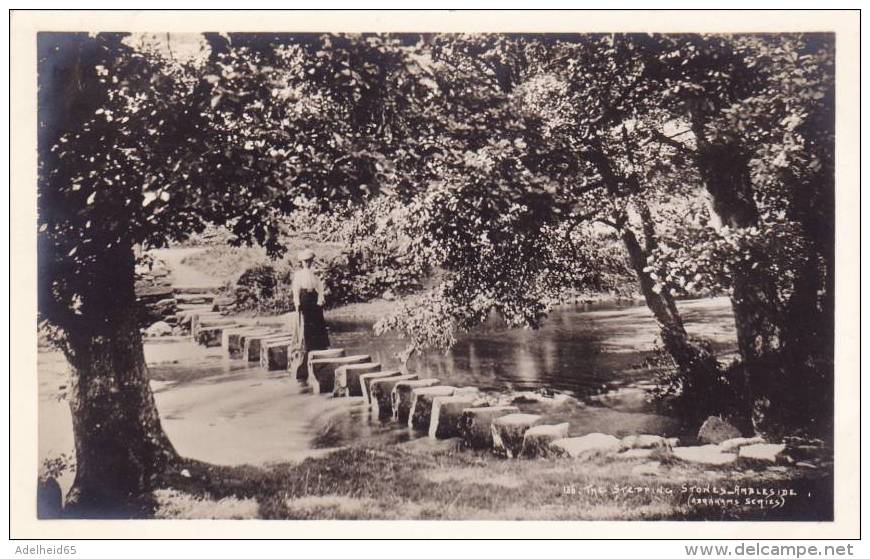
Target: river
x,y
227,412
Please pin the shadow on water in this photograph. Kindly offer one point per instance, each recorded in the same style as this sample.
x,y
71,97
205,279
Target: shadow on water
x,y
231,412
582,350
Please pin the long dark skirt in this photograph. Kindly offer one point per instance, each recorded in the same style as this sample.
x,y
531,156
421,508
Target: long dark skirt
x,y
313,324
311,333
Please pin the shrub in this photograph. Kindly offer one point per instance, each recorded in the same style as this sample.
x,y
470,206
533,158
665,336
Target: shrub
x,y
256,284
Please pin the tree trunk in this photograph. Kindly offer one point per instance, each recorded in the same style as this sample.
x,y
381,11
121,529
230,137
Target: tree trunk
x,y
724,170
121,447
688,356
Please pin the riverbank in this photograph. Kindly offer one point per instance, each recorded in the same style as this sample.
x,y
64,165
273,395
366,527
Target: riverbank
x,y
429,480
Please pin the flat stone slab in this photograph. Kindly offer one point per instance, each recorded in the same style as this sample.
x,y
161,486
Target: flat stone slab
x,y
765,452
301,363
733,445
508,432
254,343
195,298
381,391
210,336
706,454
401,396
421,405
347,378
197,317
274,354
593,443
232,340
475,424
648,441
326,353
365,380
537,439
446,412
321,371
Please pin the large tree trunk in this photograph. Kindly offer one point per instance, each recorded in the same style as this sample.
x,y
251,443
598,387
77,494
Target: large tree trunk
x,y
121,447
703,387
724,170
688,356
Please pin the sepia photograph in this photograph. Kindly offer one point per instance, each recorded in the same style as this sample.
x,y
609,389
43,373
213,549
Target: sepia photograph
x,y
437,275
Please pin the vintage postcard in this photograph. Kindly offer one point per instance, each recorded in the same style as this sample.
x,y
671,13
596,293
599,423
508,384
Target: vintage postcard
x,y
576,268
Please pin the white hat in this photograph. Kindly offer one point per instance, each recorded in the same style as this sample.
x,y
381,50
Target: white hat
x,y
305,255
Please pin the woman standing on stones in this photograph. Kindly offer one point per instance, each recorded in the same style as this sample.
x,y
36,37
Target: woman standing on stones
x,y
308,297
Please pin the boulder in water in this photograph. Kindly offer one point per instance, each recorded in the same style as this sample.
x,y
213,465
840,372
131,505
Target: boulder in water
x,y
716,430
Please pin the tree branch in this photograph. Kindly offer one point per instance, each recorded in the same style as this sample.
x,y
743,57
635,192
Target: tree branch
x,y
679,146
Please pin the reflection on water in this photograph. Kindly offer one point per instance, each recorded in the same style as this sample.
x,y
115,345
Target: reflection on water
x,y
581,350
230,412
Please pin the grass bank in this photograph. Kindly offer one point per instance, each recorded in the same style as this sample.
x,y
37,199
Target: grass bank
x,y
428,480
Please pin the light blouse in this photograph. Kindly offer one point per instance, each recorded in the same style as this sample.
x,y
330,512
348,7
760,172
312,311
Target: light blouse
x,y
305,278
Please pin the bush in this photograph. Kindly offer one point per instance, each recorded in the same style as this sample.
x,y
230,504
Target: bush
x,y
360,274
256,284
690,397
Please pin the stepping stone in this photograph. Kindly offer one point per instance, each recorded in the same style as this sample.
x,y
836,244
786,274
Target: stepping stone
x,y
592,443
401,396
195,298
210,320
232,339
733,445
303,365
325,353
183,307
347,378
764,452
254,344
475,424
210,336
274,354
193,289
196,317
706,454
365,380
647,441
536,441
446,412
321,371
381,393
421,405
183,318
508,432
